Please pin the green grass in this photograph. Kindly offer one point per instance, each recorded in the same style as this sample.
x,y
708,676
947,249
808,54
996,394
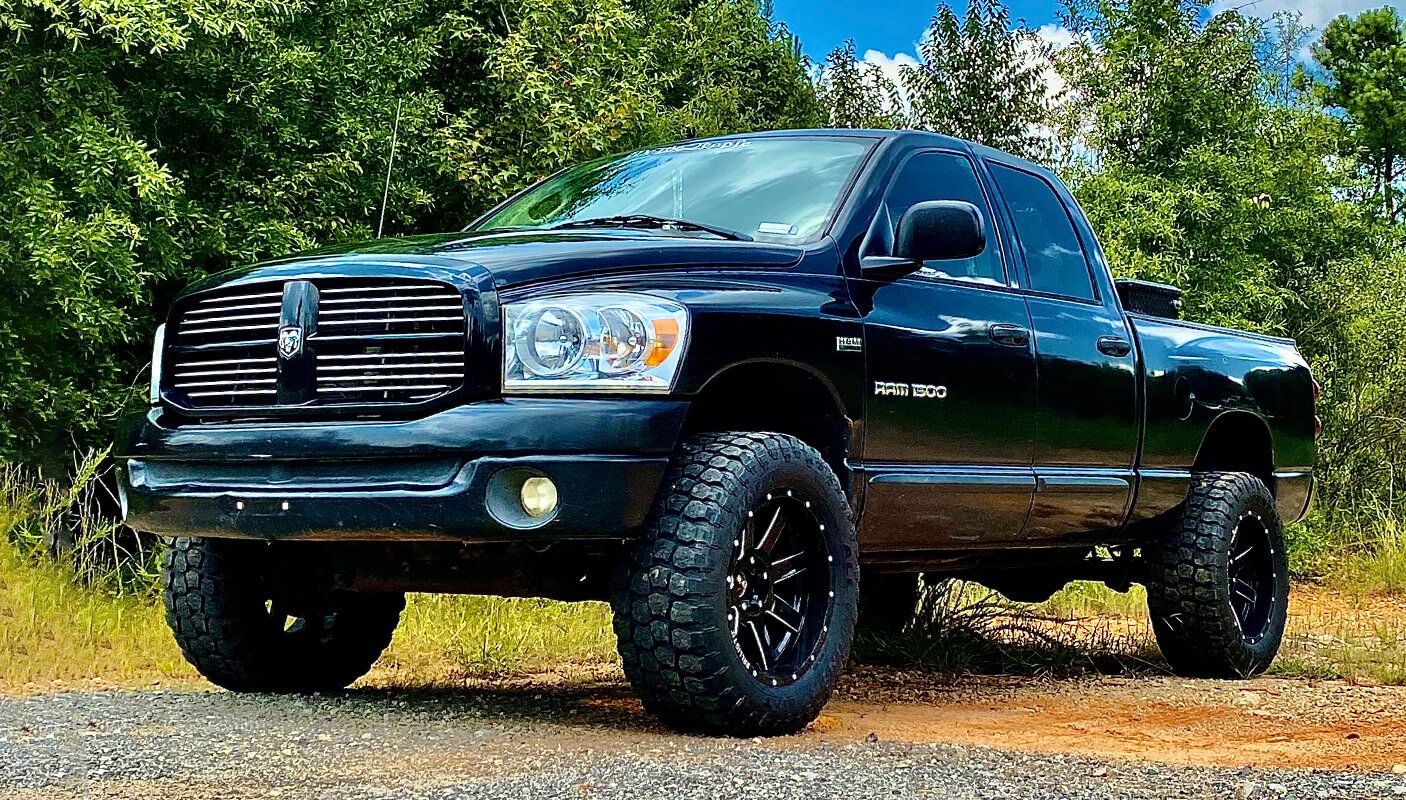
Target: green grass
x,y
451,638
53,629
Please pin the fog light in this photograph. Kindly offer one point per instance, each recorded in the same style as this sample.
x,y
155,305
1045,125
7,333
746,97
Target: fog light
x,y
539,497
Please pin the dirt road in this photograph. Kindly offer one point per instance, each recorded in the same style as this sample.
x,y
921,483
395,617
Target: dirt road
x,y
888,733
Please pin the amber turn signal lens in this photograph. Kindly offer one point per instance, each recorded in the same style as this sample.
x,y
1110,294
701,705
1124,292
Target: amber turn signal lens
x,y
666,338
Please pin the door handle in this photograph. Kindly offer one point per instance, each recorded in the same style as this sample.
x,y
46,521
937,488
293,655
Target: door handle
x,y
1009,335
1115,346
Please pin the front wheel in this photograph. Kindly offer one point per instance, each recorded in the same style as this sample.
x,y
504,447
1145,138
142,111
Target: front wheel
x,y
735,612
249,626
1218,585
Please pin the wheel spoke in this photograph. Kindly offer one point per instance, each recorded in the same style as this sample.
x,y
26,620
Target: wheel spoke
x,y
1236,558
761,648
780,561
789,575
793,627
771,528
792,606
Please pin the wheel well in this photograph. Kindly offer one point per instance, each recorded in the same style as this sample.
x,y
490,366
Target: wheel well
x,y
777,398
1238,441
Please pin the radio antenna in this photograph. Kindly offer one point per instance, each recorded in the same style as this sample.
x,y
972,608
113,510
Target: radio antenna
x,y
390,162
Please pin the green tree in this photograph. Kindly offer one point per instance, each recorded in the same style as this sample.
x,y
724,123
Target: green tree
x,y
855,94
981,78
1203,172
146,142
1365,61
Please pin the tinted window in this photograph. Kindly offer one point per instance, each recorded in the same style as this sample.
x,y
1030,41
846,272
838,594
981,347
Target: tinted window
x,y
941,176
1052,250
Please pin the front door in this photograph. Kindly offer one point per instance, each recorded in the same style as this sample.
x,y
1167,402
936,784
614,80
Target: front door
x,y
950,409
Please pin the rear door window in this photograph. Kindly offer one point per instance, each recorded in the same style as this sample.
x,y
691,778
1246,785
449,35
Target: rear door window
x,y
1052,250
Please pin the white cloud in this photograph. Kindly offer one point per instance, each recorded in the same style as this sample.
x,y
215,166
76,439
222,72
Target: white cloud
x,y
1315,12
1057,35
890,66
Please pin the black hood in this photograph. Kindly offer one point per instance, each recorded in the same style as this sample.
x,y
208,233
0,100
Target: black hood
x,y
517,257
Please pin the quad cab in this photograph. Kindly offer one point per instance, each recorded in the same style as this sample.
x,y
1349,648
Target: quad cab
x,y
746,389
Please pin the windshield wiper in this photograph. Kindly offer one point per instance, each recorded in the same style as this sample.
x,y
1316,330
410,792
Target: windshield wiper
x,y
649,221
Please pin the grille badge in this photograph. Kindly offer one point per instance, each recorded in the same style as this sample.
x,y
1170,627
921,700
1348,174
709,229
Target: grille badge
x,y
290,341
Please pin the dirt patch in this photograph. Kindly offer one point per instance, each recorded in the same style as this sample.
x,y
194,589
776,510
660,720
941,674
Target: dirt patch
x,y
1267,722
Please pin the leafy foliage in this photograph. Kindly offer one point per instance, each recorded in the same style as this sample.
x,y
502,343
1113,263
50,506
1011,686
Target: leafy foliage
x,y
146,142
979,79
856,94
1365,58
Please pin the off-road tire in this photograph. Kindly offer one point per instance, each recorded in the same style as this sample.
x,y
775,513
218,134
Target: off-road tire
x,y
218,597
1189,580
887,602
672,592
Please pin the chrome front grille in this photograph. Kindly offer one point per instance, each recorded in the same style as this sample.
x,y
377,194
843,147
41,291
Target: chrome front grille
x,y
360,342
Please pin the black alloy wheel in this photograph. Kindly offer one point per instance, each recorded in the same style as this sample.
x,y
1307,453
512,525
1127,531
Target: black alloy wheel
x,y
1252,576
779,588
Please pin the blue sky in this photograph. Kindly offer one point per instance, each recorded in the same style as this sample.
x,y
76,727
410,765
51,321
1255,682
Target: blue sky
x,y
890,28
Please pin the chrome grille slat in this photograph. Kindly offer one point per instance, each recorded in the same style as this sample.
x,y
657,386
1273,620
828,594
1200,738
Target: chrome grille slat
x,y
421,387
388,321
239,371
419,287
272,362
397,365
264,295
228,329
270,307
333,301
325,313
203,322
353,380
236,382
387,341
388,355
390,336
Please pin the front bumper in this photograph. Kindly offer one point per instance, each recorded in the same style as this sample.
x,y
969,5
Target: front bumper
x,y
423,479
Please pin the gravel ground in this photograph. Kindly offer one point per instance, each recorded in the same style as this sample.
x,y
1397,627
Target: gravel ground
x,y
567,742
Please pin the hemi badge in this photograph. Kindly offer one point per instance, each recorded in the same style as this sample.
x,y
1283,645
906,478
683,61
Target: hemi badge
x,y
849,344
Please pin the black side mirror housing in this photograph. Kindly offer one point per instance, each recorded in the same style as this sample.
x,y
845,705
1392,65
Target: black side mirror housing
x,y
938,230
933,230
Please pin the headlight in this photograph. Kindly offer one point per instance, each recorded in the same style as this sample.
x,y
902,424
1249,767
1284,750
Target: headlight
x,y
593,343
154,395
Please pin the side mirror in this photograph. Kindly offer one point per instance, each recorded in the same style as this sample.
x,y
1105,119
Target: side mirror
x,y
938,230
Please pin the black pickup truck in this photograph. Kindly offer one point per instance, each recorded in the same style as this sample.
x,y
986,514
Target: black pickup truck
x,y
712,383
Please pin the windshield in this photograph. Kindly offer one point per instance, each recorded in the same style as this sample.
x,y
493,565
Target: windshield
x,y
778,189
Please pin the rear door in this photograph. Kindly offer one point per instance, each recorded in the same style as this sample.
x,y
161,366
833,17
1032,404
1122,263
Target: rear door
x,y
950,408
1086,435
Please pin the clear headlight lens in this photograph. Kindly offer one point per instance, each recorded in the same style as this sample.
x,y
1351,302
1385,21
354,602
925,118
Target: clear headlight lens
x,y
593,343
154,393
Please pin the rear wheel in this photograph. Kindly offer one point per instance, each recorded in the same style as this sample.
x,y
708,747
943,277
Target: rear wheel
x,y
734,614
1218,585
249,626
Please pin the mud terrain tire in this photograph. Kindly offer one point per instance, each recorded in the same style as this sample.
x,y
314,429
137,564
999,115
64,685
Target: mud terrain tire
x,y
696,596
236,625
1218,584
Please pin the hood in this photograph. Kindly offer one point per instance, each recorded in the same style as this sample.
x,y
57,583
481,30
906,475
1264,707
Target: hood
x,y
517,257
